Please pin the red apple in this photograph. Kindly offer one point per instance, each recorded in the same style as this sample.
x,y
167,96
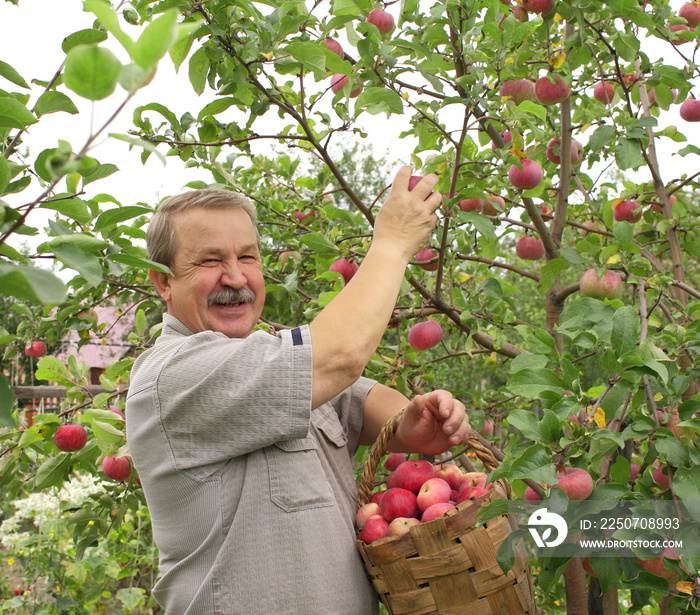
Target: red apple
x,y
543,7
604,92
473,479
36,349
334,46
116,468
413,181
398,502
433,491
526,175
339,81
394,461
401,526
531,495
553,151
589,224
424,335
436,510
519,13
576,483
345,268
657,566
411,475
289,256
383,20
679,40
690,11
375,528
529,248
469,493
451,474
426,255
657,206
631,211
518,90
376,496
507,137
487,429
660,475
300,216
70,438
608,286
365,512
481,206
634,471
551,93
690,110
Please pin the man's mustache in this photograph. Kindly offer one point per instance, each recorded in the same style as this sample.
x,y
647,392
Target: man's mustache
x,y
231,296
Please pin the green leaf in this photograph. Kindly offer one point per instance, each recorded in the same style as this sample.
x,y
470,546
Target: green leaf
x,y
12,75
319,243
14,114
52,369
625,327
310,55
87,265
53,102
686,485
110,20
535,463
53,471
82,240
141,322
551,271
531,383
379,100
92,72
138,262
131,598
549,427
83,37
155,40
112,217
602,136
628,154
624,234
7,403
31,283
199,69
525,422
5,176
73,208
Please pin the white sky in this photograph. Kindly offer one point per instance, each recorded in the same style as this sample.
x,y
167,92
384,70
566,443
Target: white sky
x,y
31,43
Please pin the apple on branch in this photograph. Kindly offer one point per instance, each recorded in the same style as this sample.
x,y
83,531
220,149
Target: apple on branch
x,y
424,335
345,268
530,248
603,91
116,468
690,110
690,11
525,175
575,482
423,257
553,151
334,46
70,438
550,92
518,91
382,20
629,211
606,286
36,349
543,7
339,81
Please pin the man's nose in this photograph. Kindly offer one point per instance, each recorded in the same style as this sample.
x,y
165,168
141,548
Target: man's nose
x,y
233,275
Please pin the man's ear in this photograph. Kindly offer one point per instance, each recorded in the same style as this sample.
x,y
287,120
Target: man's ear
x,y
162,283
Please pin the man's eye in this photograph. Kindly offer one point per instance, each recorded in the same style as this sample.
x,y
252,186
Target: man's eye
x,y
210,261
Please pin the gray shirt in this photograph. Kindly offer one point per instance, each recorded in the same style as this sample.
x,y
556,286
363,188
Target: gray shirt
x,y
251,494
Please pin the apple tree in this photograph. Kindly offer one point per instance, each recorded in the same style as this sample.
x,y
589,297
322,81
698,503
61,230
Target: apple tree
x,y
562,277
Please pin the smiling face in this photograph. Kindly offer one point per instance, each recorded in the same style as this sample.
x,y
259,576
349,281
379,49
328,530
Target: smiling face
x,y
218,283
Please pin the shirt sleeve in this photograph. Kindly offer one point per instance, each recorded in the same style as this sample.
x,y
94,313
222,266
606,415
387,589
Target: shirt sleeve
x,y
350,406
220,397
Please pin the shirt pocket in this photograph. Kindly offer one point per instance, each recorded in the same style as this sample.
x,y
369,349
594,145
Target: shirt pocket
x,y
325,419
297,479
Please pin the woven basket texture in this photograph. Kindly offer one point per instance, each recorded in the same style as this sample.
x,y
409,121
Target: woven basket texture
x,y
447,566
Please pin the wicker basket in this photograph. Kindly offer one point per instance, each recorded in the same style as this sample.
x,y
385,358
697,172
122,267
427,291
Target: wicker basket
x,y
447,565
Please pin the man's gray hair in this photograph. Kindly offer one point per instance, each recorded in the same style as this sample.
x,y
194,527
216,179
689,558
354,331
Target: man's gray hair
x,y
160,237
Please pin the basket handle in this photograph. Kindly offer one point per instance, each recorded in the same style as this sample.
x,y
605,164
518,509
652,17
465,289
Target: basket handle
x,y
379,449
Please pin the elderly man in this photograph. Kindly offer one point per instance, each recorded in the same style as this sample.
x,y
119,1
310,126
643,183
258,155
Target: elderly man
x,y
244,441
